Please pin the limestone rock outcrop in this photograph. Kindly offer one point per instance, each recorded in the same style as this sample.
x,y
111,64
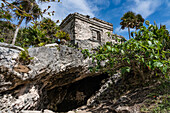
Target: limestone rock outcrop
x,y
57,79
28,87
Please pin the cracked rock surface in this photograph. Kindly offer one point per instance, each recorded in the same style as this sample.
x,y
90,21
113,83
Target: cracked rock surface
x,y
24,87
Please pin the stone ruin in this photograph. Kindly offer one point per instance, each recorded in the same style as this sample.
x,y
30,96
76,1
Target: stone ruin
x,y
82,27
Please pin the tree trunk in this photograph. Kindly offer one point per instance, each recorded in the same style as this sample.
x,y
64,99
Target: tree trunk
x,y
16,31
129,31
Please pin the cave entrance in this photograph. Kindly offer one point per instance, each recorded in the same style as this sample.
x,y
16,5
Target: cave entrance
x,y
74,95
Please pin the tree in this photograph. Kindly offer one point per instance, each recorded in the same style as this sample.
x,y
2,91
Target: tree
x,y
139,21
131,20
28,6
128,20
23,9
50,26
40,33
4,13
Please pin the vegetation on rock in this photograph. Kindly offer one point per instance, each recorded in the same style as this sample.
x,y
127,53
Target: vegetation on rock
x,y
24,57
146,55
142,61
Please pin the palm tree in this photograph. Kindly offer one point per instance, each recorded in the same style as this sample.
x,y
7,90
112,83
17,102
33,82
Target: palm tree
x,y
131,20
128,20
31,9
139,21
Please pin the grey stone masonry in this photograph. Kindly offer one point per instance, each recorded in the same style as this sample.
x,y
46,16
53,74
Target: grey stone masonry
x,y
82,27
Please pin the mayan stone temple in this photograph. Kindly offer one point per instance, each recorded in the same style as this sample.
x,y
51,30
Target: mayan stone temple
x,y
82,27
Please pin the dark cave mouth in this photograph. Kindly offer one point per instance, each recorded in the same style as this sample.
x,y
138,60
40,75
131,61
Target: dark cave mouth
x,y
74,95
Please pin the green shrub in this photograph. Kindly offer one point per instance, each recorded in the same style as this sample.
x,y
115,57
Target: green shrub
x,y
145,56
85,53
62,35
2,39
31,36
40,33
6,31
24,57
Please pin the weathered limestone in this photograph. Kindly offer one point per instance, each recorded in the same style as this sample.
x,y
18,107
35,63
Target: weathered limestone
x,y
51,68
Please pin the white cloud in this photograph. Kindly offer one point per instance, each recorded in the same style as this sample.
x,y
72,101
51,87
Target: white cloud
x,y
121,32
145,7
86,7
124,32
67,7
118,30
101,3
116,2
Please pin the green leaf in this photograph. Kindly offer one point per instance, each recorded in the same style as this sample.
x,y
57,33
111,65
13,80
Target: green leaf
x,y
122,52
147,22
108,47
113,50
165,69
150,64
109,34
125,69
41,44
128,61
157,56
158,64
143,60
150,43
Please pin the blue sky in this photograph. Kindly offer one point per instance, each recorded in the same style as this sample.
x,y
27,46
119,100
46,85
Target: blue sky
x,y
112,10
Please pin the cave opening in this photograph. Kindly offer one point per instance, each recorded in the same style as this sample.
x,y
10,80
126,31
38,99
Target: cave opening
x,y
69,97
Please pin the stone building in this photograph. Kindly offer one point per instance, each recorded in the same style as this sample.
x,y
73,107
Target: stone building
x,y
82,27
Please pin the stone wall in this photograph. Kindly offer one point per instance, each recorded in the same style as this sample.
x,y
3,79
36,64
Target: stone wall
x,y
69,28
83,27
82,30
85,30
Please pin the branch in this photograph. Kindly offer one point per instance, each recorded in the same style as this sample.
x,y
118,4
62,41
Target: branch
x,y
15,7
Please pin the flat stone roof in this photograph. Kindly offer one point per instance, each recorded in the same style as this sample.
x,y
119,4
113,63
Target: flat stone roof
x,y
95,21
